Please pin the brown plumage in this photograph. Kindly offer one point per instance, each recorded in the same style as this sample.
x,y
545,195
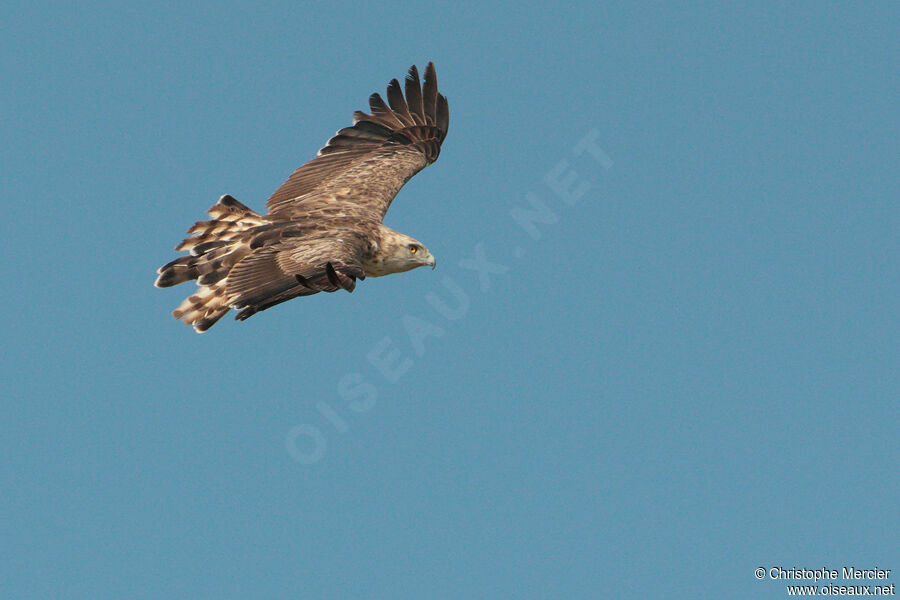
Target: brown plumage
x,y
323,230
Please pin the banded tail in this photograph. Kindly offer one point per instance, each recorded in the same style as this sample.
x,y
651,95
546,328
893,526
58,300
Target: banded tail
x,y
215,247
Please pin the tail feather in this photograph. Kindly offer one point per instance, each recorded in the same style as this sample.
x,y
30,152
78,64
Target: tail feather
x,y
230,219
204,308
215,247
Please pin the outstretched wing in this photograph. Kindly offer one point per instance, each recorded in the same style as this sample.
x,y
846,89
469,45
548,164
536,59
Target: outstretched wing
x,y
364,166
318,261
288,264
245,261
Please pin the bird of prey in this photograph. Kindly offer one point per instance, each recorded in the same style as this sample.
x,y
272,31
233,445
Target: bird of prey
x,y
323,229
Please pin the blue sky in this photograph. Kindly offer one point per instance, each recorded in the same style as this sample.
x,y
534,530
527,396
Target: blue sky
x,y
685,369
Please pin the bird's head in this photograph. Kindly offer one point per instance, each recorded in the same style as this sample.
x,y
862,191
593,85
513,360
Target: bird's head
x,y
398,253
408,253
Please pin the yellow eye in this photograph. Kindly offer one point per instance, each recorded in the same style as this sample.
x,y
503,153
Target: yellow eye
x,y
413,248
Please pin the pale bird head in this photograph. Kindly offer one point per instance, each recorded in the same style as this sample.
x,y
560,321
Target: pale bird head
x,y
406,253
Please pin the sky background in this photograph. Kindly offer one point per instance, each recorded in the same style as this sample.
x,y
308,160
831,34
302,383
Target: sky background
x,y
689,374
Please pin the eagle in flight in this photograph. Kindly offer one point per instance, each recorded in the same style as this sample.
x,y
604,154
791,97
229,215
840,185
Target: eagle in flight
x,y
323,228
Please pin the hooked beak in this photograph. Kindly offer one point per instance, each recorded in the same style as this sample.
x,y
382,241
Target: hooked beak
x,y
433,263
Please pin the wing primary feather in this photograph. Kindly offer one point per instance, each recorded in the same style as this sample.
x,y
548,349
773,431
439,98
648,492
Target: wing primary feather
x,y
381,112
398,104
414,96
442,115
430,94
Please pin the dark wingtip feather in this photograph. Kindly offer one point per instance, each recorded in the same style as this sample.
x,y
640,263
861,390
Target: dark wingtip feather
x,y
430,94
398,103
414,96
443,114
